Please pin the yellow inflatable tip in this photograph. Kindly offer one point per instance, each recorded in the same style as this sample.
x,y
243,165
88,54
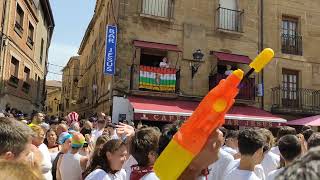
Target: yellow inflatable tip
x,y
239,73
262,59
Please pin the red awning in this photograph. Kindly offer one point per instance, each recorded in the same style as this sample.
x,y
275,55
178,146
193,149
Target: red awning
x,y
153,45
171,110
232,57
308,121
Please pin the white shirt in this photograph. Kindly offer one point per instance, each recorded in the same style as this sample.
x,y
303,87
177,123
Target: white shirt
x,y
273,174
46,164
164,65
100,174
228,72
230,150
70,168
258,169
218,168
270,162
275,150
238,174
96,134
150,176
127,165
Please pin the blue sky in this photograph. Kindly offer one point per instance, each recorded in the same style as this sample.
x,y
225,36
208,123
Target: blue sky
x,y
71,18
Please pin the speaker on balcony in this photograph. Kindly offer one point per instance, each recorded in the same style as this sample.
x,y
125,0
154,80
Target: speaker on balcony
x,y
260,90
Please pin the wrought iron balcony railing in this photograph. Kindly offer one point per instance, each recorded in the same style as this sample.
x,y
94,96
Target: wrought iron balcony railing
x,y
291,44
229,19
295,100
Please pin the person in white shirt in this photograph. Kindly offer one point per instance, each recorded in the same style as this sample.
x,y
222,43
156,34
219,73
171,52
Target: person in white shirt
x,y
231,143
144,149
164,63
38,140
270,161
229,70
251,144
284,130
304,168
218,168
107,163
101,124
258,169
71,165
290,149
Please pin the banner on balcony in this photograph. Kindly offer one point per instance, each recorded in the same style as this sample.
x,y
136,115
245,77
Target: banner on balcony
x,y
157,79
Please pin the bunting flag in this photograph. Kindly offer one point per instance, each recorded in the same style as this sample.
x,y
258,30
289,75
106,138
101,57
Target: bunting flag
x,y
157,79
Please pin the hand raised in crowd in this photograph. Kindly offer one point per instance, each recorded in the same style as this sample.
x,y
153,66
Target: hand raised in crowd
x,y
124,129
302,140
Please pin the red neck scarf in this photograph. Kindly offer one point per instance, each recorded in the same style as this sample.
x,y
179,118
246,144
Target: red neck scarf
x,y
138,172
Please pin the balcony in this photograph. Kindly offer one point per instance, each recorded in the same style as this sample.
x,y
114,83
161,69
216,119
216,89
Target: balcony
x,y
154,79
247,90
157,8
291,44
26,87
295,101
229,20
14,81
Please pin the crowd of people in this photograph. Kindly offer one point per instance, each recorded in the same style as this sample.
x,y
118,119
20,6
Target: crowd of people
x,y
97,149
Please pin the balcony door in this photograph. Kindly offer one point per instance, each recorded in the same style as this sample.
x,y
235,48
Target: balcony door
x,y
228,15
290,79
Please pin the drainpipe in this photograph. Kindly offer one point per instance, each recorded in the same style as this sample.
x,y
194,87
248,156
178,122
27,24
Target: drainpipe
x,y
261,48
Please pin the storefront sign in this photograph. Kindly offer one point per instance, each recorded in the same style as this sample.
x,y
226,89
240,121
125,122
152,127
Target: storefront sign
x,y
247,123
230,122
159,117
111,50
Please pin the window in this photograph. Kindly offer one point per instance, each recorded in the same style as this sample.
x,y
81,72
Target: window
x,y
159,8
30,35
26,75
41,51
291,39
290,85
19,18
14,69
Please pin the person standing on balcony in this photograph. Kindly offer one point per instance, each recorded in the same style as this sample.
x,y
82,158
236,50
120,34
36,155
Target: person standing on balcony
x,y
164,63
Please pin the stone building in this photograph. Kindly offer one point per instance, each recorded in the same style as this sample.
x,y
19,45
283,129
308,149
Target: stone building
x,y
70,90
26,31
53,99
201,41
292,80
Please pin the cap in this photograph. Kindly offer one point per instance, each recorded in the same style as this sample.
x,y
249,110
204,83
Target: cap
x,y
77,140
63,137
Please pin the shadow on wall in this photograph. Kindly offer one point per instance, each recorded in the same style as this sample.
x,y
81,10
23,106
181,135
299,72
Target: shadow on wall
x,y
23,95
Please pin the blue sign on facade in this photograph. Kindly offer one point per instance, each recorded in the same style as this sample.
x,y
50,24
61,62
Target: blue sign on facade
x,y
111,50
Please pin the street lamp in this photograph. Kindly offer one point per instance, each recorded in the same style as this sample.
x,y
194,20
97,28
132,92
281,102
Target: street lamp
x,y
197,60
